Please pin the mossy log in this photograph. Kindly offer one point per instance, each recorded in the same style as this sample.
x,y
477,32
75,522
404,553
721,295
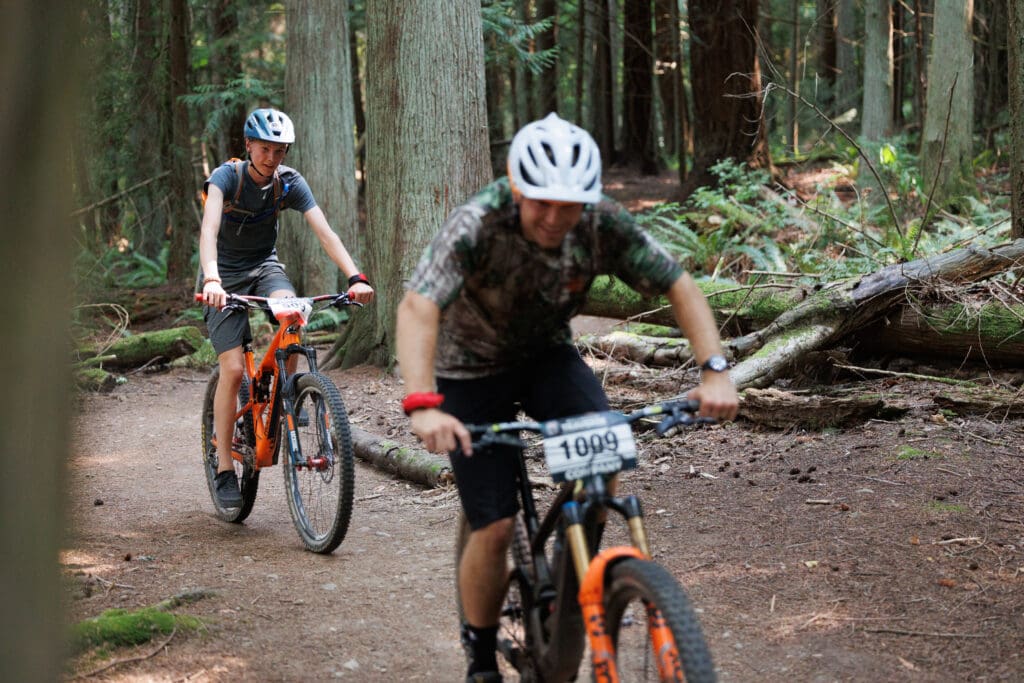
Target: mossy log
x,y
411,464
813,320
145,347
95,379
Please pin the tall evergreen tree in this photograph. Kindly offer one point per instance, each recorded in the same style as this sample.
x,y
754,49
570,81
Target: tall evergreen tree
x,y
728,119
946,141
876,107
1015,32
427,146
318,96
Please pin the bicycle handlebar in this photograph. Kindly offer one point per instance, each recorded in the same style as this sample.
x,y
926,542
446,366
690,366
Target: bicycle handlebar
x,y
239,302
677,413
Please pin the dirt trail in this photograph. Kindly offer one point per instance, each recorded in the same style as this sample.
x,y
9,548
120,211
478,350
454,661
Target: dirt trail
x,y
871,586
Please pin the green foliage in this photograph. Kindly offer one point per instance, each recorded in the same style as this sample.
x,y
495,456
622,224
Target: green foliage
x,y
508,39
218,104
121,267
911,453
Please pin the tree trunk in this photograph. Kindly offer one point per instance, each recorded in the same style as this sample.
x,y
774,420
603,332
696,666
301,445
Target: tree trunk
x,y
638,88
148,127
39,76
899,66
427,148
181,200
728,121
876,107
793,123
843,308
790,323
547,81
668,72
410,464
1015,32
225,66
319,97
358,105
847,74
147,347
827,68
946,149
602,90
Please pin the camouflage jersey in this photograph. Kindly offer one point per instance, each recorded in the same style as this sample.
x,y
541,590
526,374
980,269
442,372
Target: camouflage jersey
x,y
505,300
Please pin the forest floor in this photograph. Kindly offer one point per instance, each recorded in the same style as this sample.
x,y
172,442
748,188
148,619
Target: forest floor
x,y
890,550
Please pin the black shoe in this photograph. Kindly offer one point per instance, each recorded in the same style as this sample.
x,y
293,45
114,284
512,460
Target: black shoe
x,y
228,495
302,419
484,677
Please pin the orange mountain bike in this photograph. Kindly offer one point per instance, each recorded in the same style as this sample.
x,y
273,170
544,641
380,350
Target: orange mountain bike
x,y
302,410
563,594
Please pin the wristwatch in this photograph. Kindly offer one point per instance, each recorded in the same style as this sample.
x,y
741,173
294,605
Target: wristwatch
x,y
715,363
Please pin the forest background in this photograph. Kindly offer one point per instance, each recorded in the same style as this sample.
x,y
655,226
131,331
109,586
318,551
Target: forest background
x,y
909,114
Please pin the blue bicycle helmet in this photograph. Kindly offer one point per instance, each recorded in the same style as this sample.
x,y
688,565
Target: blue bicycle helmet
x,y
270,125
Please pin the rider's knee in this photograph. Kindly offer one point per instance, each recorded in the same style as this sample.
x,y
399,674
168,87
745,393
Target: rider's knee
x,y
496,535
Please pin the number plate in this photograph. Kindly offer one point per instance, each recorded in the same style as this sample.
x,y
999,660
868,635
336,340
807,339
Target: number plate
x,y
597,443
295,305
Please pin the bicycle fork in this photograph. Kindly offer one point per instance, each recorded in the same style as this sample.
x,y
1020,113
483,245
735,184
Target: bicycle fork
x,y
594,573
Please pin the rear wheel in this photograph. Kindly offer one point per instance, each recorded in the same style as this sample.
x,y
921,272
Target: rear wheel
x,y
513,640
243,441
319,479
643,597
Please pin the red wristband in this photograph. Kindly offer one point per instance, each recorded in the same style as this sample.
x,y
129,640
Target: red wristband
x,y
420,400
358,277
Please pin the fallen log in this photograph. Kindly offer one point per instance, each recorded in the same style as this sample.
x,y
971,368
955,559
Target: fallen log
x,y
842,308
782,409
411,464
146,347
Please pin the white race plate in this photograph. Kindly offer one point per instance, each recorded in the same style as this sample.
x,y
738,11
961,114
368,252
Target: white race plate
x,y
300,305
598,443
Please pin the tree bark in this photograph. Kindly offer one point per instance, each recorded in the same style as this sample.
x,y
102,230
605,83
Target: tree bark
x,y
411,464
847,76
789,324
547,81
319,96
668,73
1015,32
182,196
876,106
638,88
728,121
827,41
226,65
602,90
39,76
146,347
427,147
946,141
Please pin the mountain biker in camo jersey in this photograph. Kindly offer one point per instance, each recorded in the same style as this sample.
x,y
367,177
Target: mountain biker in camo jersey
x,y
237,254
483,331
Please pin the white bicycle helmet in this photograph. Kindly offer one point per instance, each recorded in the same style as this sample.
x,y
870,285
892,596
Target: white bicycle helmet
x,y
270,125
554,160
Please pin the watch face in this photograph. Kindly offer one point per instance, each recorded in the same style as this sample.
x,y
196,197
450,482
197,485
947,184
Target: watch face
x,y
716,364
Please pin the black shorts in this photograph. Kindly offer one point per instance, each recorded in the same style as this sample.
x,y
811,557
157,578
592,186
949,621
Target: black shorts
x,y
558,384
229,329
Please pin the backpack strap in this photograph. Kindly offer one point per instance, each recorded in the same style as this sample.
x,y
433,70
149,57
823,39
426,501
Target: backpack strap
x,y
235,213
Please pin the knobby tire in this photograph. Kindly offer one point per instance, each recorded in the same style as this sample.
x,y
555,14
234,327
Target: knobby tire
x,y
634,583
248,476
320,500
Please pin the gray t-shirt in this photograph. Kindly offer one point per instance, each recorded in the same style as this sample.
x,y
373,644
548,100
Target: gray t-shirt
x,y
244,243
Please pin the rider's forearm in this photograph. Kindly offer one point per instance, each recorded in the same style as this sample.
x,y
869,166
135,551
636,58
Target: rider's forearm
x,y
416,341
694,317
331,242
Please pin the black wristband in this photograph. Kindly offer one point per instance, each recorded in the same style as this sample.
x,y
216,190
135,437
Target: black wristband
x,y
358,277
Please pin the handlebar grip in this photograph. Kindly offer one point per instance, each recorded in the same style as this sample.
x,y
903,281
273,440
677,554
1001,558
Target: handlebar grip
x,y
198,297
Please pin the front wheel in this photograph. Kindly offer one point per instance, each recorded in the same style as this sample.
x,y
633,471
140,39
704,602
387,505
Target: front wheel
x,y
655,631
243,439
319,470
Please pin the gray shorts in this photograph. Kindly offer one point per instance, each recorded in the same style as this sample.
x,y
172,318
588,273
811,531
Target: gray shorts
x,y
230,329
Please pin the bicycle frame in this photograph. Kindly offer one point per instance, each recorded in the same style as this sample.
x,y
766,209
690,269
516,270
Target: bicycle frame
x,y
271,388
577,580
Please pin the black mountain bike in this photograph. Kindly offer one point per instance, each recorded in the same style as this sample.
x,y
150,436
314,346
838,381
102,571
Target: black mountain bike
x,y
563,594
